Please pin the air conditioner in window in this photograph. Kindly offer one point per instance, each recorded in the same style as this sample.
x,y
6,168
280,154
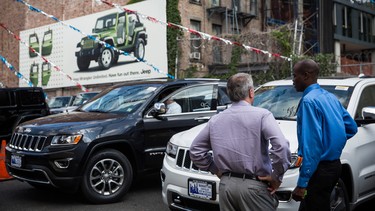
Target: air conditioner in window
x,y
196,1
195,55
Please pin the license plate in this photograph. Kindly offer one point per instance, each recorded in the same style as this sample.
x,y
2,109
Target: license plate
x,y
202,189
16,161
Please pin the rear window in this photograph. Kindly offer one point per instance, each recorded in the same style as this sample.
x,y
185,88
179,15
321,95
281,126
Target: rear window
x,y
31,97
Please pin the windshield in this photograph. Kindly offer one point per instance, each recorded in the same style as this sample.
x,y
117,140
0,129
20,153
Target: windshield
x,y
105,22
126,99
59,102
283,101
82,98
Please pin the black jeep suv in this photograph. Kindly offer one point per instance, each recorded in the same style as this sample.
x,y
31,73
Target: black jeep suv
x,y
111,140
18,105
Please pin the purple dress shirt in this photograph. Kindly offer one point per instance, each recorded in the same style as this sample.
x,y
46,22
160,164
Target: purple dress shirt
x,y
239,138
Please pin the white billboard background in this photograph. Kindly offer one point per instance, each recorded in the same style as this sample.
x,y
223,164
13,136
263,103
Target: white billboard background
x,y
64,47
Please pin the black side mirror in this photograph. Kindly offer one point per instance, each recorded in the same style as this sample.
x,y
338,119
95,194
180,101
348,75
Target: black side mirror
x,y
159,108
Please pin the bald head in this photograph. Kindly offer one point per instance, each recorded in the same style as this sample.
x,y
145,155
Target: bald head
x,y
305,73
310,66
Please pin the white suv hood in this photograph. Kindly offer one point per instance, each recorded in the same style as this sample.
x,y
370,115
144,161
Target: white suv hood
x,y
289,129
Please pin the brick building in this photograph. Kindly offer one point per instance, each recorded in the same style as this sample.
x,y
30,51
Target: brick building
x,y
348,33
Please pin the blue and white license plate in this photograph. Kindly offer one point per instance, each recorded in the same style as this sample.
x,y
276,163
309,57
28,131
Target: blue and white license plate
x,y
202,189
16,161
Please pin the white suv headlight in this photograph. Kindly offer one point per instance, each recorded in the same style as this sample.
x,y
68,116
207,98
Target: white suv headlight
x,y
295,161
171,149
66,139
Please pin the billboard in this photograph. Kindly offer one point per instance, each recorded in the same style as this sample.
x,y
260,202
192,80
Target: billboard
x,y
85,60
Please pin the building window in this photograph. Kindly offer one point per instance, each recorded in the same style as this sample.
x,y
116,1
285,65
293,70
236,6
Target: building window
x,y
216,47
195,41
254,7
215,3
347,21
195,1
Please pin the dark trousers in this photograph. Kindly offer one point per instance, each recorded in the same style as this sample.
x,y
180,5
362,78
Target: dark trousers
x,y
320,186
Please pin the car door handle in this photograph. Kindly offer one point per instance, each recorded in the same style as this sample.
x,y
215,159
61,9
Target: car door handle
x,y
203,118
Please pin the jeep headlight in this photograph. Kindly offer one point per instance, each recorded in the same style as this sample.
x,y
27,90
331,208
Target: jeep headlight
x,y
66,139
171,150
82,42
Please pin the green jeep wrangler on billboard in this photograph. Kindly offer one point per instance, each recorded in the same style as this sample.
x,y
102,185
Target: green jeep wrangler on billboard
x,y
123,30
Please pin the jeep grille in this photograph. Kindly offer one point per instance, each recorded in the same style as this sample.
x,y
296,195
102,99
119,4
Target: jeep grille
x,y
88,44
184,162
27,142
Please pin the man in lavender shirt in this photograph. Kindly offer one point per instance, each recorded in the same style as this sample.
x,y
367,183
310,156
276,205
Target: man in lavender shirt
x,y
239,138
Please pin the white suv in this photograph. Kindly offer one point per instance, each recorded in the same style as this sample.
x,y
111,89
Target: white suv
x,y
357,182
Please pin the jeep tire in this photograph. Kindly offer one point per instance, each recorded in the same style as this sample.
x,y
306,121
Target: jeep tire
x,y
139,51
105,59
107,177
83,63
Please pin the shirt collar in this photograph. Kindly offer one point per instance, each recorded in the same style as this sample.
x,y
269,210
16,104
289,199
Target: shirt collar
x,y
241,103
310,88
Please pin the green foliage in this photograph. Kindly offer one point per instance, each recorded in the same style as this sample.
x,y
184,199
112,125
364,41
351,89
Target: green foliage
x,y
284,39
173,16
190,71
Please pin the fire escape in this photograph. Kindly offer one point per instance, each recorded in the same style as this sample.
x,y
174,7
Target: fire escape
x,y
234,19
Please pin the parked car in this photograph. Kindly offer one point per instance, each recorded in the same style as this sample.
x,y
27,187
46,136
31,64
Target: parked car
x,y
59,103
18,105
79,99
357,181
107,143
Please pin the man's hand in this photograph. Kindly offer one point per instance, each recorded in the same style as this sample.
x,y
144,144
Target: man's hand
x,y
273,185
299,193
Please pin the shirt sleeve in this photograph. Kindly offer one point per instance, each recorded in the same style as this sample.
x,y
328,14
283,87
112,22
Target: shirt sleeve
x,y
199,151
280,151
310,141
350,125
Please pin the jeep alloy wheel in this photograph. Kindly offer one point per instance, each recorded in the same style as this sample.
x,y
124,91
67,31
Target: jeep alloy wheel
x,y
139,51
107,178
106,58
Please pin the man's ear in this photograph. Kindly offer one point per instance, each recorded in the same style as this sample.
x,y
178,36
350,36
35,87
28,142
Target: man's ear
x,y
251,93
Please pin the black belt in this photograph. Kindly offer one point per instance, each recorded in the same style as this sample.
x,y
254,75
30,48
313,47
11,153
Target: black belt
x,y
243,176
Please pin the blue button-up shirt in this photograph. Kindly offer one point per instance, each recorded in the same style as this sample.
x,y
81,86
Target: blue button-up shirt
x,y
323,127
239,138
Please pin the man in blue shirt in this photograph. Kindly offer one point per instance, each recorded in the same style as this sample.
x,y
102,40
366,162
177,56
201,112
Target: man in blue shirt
x,y
323,127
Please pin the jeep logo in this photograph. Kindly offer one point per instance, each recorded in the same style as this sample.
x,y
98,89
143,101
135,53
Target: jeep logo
x,y
146,71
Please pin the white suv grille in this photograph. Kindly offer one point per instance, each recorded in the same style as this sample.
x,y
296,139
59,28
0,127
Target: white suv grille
x,y
183,161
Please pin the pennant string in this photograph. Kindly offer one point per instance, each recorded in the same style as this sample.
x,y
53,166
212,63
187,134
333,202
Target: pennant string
x,y
18,74
192,31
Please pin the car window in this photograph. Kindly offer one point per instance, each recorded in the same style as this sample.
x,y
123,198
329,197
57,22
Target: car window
x,y
31,97
366,99
223,98
195,99
126,99
5,98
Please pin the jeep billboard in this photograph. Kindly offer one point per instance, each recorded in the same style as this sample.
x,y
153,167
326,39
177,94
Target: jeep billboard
x,y
141,46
